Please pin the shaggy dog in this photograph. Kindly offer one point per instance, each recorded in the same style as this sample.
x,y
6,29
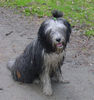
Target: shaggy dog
x,y
42,59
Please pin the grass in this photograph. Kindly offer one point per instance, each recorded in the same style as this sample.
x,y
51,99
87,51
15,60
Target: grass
x,y
77,12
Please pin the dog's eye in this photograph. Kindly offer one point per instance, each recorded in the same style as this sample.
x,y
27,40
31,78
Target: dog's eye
x,y
52,33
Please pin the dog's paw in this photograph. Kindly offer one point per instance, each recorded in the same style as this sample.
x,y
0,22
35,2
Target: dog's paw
x,y
61,80
47,91
36,81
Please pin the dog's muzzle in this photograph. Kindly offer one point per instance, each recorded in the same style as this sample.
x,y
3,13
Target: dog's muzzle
x,y
60,43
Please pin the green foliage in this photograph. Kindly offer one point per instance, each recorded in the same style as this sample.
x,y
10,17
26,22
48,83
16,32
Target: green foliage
x,y
90,32
75,11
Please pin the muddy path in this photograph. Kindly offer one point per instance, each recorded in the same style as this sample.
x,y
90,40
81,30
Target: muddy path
x,y
16,31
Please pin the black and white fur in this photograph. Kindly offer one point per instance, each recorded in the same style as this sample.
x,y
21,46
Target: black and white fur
x,y
43,58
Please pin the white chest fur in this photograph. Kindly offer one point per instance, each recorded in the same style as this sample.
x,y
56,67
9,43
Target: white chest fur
x,y
51,61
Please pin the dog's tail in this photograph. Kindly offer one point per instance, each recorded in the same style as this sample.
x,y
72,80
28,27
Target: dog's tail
x,y
57,13
10,64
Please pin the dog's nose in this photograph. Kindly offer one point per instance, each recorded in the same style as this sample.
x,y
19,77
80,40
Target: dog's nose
x,y
58,39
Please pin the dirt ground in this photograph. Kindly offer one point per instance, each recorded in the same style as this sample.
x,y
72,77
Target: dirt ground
x,y
16,31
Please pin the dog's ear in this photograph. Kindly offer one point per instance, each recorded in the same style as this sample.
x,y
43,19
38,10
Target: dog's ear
x,y
68,31
41,32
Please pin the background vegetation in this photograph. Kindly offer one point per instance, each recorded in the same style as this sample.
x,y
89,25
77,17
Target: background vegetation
x,y
77,12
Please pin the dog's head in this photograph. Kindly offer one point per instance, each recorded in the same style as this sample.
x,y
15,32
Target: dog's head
x,y
54,33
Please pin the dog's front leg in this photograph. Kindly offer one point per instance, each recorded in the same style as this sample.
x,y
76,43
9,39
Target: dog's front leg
x,y
46,83
59,77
